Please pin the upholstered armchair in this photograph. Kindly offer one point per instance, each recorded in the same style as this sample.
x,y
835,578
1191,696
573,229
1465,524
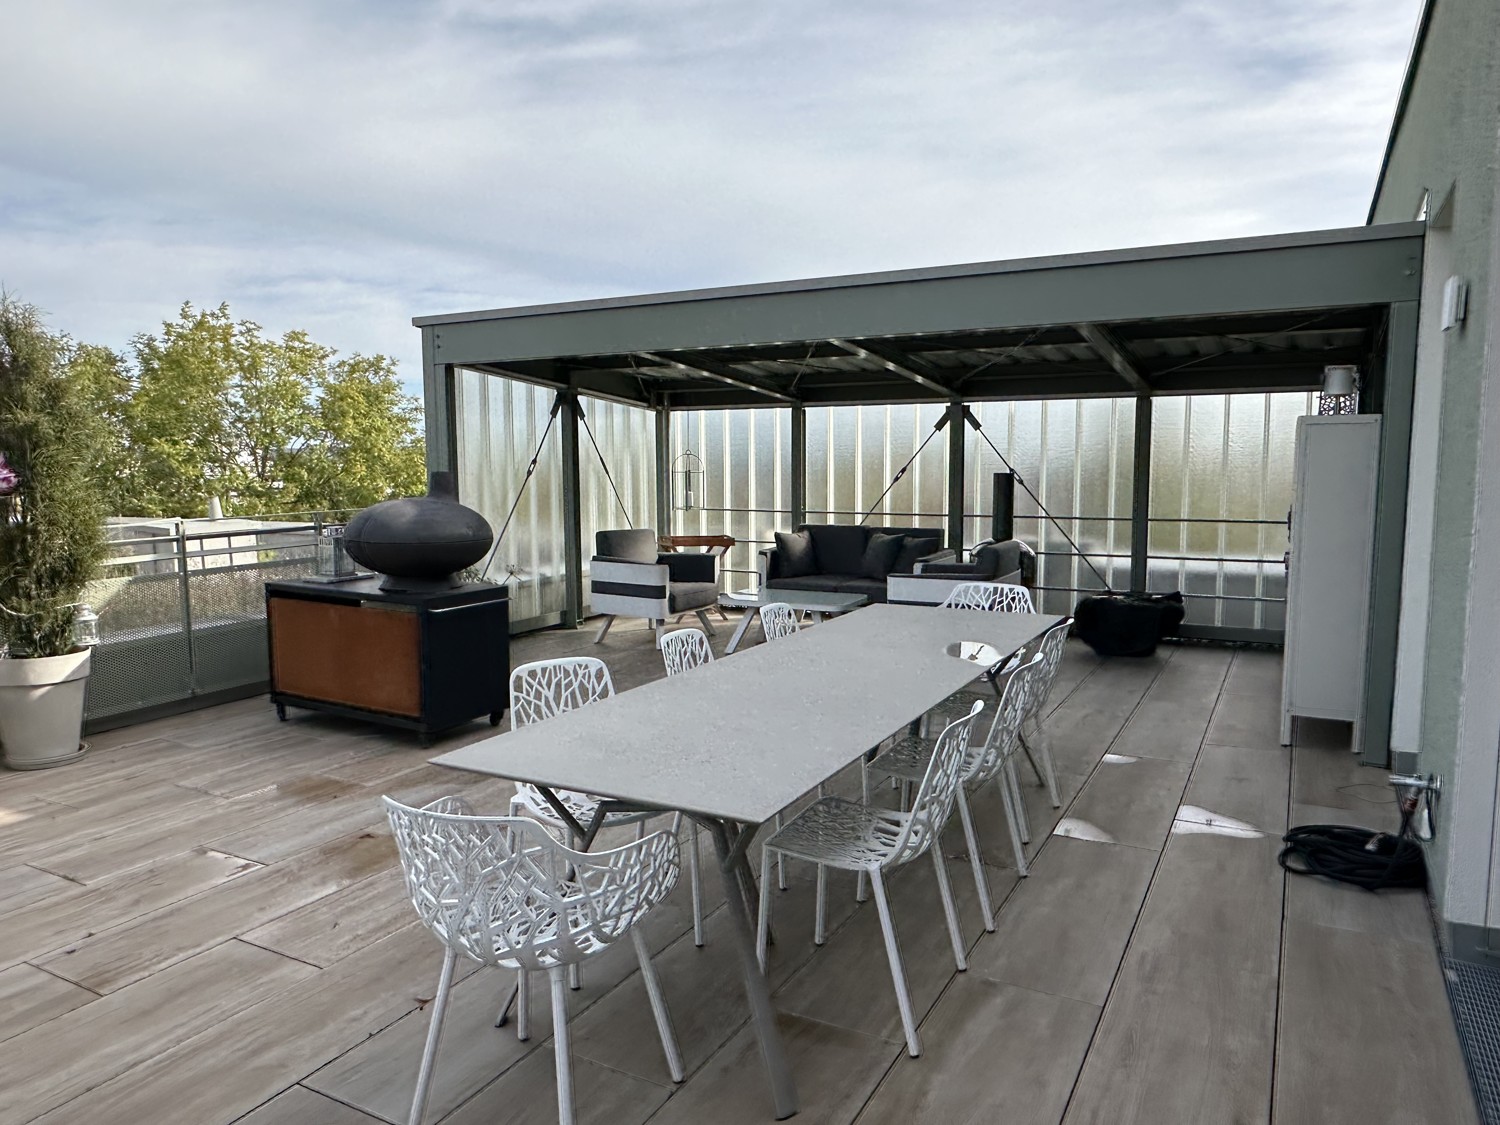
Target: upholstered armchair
x,y
629,577
1010,561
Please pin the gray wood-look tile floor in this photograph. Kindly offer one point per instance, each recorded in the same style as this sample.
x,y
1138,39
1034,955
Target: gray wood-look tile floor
x,y
202,923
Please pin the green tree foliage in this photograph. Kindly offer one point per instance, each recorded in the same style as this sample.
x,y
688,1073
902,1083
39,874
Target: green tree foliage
x,y
268,426
52,522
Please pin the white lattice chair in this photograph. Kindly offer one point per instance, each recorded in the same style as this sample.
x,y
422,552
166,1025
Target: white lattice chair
x,y
999,597
542,690
993,759
1033,740
778,620
501,891
854,836
685,649
682,650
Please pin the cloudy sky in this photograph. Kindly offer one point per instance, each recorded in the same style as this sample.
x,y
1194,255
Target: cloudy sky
x,y
344,165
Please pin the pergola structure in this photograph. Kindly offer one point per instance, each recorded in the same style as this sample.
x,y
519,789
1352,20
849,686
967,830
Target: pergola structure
x,y
1240,315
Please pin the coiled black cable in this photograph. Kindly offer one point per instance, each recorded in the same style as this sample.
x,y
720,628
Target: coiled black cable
x,y
1361,856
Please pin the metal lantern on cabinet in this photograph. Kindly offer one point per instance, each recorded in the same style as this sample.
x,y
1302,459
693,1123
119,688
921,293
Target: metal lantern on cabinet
x,y
687,480
85,626
331,563
1340,393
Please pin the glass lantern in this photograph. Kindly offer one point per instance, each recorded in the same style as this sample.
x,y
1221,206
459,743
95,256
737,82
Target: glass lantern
x,y
687,474
85,627
331,563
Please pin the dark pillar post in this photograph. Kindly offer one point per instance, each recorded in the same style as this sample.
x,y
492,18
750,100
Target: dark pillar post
x,y
956,476
572,509
1140,496
799,464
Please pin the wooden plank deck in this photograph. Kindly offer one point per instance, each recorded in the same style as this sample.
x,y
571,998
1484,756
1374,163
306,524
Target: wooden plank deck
x,y
202,923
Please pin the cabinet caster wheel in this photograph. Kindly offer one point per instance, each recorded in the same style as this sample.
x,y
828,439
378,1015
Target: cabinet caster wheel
x,y
495,718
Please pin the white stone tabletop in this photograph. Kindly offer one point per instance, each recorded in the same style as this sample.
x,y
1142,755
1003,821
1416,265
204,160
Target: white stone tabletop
x,y
745,736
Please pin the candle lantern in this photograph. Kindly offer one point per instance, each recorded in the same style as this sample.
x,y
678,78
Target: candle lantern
x,y
85,627
687,477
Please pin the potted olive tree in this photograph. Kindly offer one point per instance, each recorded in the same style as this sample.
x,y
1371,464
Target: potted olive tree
x,y
51,540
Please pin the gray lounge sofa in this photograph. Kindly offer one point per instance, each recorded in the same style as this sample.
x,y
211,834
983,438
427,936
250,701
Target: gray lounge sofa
x,y
838,558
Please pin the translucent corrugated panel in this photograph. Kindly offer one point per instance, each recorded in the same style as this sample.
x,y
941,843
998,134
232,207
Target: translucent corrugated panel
x,y
744,490
1221,485
626,440
1076,455
499,423
853,452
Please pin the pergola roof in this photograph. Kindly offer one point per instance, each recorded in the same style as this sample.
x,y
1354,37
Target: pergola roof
x,y
1251,314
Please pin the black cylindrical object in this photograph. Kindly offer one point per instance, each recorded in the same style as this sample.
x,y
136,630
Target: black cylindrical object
x,y
420,543
1003,508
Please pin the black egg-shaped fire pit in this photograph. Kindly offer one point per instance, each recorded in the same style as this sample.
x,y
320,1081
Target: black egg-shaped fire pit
x,y
420,543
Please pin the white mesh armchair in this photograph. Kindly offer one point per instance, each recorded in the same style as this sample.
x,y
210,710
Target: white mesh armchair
x,y
682,650
778,620
630,577
500,891
992,759
851,836
1001,597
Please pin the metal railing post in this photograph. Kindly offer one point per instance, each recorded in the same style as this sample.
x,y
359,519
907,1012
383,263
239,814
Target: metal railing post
x,y
186,599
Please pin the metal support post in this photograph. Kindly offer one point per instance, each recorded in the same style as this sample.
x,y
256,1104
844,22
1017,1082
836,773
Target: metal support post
x,y
1140,496
798,483
439,406
572,509
665,524
956,476
1395,403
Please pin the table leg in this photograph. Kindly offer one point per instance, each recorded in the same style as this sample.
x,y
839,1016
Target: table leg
x,y
734,641
816,615
762,1012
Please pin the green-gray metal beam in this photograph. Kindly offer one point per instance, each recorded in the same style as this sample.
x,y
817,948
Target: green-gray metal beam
x,y
798,489
956,434
1398,384
440,409
907,366
718,372
572,494
1114,353
1318,270
664,521
1140,495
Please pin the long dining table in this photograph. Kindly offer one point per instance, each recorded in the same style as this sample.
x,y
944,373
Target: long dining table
x,y
736,741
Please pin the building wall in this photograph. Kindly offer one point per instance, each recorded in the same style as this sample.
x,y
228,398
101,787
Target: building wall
x,y
1444,148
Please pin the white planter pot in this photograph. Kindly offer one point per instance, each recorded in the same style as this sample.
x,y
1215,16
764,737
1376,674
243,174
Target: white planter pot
x,y
41,709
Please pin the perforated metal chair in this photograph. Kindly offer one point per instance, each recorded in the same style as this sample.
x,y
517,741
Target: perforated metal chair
x,y
682,650
501,891
1032,738
854,836
993,759
994,596
541,690
778,620
685,649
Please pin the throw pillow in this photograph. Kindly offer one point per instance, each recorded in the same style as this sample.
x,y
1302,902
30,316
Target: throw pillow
x,y
797,557
913,547
880,555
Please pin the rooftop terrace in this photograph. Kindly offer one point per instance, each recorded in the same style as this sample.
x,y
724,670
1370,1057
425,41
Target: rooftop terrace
x,y
205,923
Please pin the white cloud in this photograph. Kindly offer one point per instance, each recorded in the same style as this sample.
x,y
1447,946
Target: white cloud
x,y
342,165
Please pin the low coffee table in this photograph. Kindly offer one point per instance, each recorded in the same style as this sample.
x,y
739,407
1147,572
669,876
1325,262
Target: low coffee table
x,y
818,604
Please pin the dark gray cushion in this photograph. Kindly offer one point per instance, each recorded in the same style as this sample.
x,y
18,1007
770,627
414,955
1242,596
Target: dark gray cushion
x,y
797,557
828,583
985,559
689,566
872,588
913,547
691,595
840,547
637,545
880,556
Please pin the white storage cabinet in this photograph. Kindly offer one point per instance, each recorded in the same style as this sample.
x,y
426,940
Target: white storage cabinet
x,y
1332,530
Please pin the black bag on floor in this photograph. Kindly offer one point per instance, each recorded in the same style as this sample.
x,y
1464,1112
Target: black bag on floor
x,y
1127,624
